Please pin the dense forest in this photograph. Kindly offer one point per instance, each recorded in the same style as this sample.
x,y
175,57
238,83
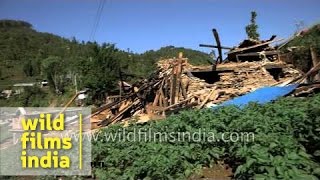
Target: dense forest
x,y
30,56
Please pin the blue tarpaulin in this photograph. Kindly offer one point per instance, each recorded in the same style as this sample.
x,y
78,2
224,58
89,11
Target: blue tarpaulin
x,y
261,95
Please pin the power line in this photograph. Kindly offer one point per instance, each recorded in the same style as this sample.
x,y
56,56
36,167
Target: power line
x,y
97,19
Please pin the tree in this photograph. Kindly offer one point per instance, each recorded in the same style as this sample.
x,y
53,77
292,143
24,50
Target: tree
x,y
32,97
55,70
99,72
28,69
252,28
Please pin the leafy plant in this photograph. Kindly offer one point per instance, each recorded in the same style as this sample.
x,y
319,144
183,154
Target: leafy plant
x,y
285,145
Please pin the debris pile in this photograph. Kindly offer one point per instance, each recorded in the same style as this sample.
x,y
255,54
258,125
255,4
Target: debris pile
x,y
254,50
179,85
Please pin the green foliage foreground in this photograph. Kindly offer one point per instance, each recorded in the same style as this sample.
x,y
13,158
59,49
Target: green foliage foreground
x,y
286,144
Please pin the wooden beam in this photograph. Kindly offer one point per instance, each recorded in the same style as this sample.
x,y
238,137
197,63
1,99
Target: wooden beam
x,y
116,118
216,37
164,99
254,46
177,104
67,105
207,98
311,72
214,46
156,99
183,90
306,89
258,53
315,61
173,86
178,75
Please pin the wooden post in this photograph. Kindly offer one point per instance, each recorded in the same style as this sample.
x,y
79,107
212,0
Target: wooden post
x,y
156,99
164,100
178,73
183,90
216,36
315,61
160,100
121,84
173,85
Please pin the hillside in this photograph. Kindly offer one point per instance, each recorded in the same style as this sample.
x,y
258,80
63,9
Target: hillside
x,y
27,55
20,45
298,47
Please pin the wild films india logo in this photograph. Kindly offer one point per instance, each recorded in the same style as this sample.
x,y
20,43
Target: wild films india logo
x,y
45,141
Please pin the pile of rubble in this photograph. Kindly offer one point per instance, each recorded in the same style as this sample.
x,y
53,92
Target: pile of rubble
x,y
179,85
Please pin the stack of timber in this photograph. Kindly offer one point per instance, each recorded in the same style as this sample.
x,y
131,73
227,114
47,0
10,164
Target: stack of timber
x,y
179,85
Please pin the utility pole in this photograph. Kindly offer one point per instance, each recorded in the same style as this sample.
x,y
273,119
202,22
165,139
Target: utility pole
x,y
75,83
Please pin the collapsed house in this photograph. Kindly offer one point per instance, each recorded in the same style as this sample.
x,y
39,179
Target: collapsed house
x,y
179,85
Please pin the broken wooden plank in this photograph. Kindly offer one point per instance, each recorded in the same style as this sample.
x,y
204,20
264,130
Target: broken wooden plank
x,y
254,46
173,87
183,90
68,104
156,99
306,90
178,72
161,100
258,53
164,99
311,72
177,104
207,98
315,61
116,118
